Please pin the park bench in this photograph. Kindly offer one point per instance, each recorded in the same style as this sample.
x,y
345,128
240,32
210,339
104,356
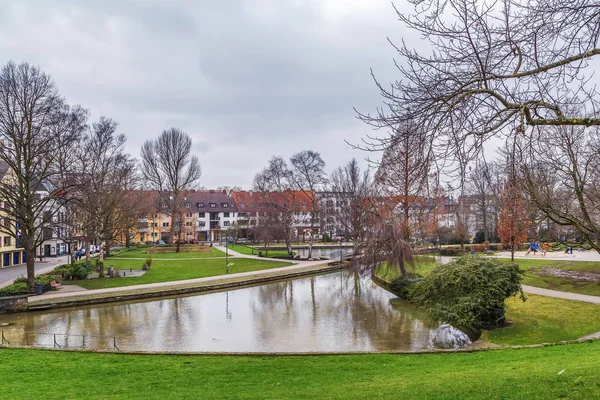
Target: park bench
x,y
54,285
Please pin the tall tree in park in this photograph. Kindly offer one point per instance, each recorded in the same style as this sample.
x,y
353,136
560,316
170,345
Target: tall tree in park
x,y
307,176
489,64
108,173
169,168
272,183
38,133
559,170
403,173
513,223
355,187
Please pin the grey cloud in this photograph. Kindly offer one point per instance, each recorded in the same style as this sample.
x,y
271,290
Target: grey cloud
x,y
246,79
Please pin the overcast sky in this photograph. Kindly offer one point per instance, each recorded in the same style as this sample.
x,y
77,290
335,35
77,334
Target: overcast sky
x,y
246,79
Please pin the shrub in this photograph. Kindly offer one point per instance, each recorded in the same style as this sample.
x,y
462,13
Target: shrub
x,y
15,289
469,291
401,286
148,262
79,270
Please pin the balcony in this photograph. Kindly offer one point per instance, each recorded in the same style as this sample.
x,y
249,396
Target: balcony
x,y
143,230
143,220
215,218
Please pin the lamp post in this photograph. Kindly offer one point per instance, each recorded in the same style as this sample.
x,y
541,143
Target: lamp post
x,y
227,256
341,251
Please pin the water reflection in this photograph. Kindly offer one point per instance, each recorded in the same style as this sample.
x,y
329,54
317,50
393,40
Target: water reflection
x,y
335,312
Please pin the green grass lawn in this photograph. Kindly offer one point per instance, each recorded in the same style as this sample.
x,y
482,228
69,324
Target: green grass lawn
x,y
558,283
543,319
175,270
252,251
564,371
143,254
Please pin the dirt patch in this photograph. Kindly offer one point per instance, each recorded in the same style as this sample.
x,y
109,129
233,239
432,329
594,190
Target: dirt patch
x,y
574,275
182,249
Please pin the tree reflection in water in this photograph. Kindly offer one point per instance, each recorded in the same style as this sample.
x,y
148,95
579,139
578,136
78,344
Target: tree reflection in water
x,y
340,311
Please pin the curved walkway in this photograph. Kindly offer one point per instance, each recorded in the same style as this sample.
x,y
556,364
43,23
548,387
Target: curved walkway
x,y
561,295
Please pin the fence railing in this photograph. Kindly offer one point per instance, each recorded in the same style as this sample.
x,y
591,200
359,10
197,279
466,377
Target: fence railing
x,y
58,340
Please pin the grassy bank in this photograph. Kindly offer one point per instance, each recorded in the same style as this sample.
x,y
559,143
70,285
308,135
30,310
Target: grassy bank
x,y
143,253
566,371
545,320
253,251
422,265
175,270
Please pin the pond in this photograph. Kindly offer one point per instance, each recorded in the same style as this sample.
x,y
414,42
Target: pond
x,y
334,312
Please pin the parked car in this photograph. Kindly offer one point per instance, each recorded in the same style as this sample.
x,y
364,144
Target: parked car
x,y
161,242
80,252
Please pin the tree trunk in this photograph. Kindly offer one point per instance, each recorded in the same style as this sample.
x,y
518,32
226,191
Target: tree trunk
x,y
100,265
30,255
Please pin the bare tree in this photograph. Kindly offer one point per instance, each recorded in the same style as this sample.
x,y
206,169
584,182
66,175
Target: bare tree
x,y
308,176
490,65
404,171
108,173
169,168
355,188
273,183
38,131
560,173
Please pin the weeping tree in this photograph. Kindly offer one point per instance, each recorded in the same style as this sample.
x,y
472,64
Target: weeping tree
x,y
169,167
39,133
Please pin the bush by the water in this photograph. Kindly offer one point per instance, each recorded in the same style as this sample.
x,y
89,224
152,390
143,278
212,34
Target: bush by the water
x,y
20,286
401,286
469,291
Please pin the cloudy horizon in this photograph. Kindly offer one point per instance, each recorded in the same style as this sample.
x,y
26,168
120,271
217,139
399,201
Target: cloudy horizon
x,y
246,80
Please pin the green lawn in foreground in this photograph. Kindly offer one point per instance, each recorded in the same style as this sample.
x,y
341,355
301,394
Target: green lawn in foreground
x,y
545,320
563,371
558,283
143,254
175,270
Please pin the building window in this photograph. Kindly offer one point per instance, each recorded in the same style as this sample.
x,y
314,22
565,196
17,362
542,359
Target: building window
x,y
7,240
190,233
295,205
154,225
189,215
224,205
213,205
202,223
154,215
188,205
188,224
165,224
242,205
154,234
303,204
200,205
165,216
226,223
163,206
226,214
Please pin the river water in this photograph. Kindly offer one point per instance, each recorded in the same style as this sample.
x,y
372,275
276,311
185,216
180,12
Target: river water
x,y
338,311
